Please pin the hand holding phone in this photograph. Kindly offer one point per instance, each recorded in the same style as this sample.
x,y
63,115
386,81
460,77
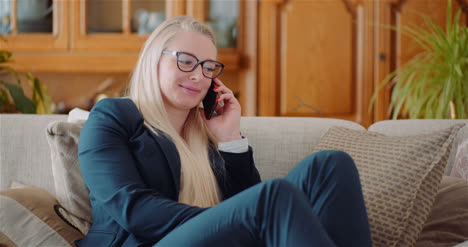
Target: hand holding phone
x,y
209,102
223,112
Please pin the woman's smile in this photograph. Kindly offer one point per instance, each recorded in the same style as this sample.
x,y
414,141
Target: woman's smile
x,y
190,90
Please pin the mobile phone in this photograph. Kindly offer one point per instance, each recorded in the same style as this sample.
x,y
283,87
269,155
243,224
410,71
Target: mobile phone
x,y
209,102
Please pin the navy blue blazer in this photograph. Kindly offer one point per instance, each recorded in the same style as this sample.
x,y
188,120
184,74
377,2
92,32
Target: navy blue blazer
x,y
134,176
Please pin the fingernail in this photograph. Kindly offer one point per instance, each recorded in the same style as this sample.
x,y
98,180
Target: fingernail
x,y
217,99
216,88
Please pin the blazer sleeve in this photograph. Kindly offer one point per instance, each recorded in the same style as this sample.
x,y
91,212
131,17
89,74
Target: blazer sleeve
x,y
110,173
241,172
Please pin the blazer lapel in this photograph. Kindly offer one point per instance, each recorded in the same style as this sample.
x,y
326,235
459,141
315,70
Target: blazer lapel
x,y
172,156
173,160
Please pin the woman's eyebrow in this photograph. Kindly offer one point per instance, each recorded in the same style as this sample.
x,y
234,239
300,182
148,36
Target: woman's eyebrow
x,y
210,59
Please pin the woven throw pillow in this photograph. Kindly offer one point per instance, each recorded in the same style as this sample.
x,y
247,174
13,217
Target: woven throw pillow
x,y
399,176
447,224
29,217
70,189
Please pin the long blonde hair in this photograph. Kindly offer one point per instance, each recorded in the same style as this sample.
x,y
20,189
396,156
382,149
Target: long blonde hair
x,y
198,182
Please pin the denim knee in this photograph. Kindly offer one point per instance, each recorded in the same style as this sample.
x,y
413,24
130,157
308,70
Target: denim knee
x,y
278,188
278,184
337,161
344,163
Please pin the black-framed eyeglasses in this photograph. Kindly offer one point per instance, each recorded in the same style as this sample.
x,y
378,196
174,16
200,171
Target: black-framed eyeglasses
x,y
187,63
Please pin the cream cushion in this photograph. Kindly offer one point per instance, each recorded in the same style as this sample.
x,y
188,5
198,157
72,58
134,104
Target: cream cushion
x,y
70,189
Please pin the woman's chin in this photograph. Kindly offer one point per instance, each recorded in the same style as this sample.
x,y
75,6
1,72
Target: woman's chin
x,y
188,106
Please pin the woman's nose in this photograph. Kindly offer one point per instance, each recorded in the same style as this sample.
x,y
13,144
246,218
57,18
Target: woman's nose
x,y
197,73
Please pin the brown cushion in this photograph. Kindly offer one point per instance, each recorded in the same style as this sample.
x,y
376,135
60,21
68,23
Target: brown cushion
x,y
447,223
399,176
28,217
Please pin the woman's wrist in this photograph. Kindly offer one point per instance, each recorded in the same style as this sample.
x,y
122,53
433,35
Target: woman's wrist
x,y
236,146
229,138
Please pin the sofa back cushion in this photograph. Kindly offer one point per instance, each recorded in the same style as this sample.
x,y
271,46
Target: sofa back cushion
x,y
423,126
281,143
24,153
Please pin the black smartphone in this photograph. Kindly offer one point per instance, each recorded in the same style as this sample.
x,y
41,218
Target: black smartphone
x,y
209,102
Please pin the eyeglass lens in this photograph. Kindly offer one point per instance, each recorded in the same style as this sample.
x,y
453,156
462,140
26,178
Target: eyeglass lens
x,y
187,62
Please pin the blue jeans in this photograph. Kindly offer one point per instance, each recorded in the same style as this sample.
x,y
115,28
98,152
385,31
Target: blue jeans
x,y
319,203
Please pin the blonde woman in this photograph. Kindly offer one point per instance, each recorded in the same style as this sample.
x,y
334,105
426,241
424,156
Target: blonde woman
x,y
160,173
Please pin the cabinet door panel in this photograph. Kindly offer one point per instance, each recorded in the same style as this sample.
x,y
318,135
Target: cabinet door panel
x,y
316,58
39,25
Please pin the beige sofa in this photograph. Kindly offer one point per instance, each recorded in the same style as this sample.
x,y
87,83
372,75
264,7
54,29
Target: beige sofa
x,y
278,142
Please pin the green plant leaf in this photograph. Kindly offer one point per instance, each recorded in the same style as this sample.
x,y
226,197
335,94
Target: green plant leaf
x,y
448,21
4,99
5,103
425,85
5,56
40,95
23,103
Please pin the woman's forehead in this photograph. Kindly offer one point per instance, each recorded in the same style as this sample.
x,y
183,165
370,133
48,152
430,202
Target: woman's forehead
x,y
194,43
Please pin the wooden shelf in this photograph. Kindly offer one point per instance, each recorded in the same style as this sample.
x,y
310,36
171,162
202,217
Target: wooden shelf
x,y
109,62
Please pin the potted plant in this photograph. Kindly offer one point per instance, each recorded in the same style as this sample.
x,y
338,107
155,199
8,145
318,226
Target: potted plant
x,y
12,96
434,83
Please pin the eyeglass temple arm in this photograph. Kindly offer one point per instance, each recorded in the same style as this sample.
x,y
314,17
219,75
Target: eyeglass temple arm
x,y
170,52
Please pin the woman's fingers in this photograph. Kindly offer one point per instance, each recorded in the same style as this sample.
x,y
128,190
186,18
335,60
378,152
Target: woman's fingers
x,y
223,90
227,98
221,87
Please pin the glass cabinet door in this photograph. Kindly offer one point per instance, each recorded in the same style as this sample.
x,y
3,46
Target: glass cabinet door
x,y
103,16
33,24
224,17
226,20
146,15
117,25
224,23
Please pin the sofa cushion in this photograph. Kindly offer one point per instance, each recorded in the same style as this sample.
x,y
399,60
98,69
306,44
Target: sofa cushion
x,y
447,224
28,218
280,143
24,153
399,176
70,189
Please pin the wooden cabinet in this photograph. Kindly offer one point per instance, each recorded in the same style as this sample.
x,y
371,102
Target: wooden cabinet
x,y
102,35
284,57
325,58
